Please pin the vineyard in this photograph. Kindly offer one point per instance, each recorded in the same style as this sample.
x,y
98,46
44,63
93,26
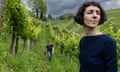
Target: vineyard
x,y
23,40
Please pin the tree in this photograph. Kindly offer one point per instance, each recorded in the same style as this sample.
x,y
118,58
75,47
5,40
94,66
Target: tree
x,y
2,3
17,18
38,8
50,16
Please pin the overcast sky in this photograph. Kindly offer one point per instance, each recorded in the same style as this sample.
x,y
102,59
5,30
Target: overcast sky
x,y
60,7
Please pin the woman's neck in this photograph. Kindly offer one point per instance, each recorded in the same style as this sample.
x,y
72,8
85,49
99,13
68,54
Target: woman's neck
x,y
91,31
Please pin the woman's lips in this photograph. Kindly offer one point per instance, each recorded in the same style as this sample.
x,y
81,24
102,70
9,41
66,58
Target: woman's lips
x,y
93,21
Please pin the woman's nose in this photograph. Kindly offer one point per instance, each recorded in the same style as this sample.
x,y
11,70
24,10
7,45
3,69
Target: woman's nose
x,y
94,15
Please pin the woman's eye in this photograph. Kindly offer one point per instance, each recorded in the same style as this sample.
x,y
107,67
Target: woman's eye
x,y
98,13
89,12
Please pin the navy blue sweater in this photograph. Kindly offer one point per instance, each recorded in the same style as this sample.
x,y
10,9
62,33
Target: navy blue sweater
x,y
98,54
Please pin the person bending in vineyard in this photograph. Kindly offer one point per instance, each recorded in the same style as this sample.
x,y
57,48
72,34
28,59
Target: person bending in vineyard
x,y
97,50
50,50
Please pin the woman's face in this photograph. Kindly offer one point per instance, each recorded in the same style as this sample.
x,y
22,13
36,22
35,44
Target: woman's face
x,y
91,16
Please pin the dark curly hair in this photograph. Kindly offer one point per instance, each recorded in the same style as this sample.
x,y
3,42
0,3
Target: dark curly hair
x,y
79,16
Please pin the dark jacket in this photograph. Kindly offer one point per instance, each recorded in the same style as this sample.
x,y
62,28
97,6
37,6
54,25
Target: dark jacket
x,y
49,47
98,54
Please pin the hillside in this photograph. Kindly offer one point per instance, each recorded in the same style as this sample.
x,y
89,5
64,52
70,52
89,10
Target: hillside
x,y
64,34
68,23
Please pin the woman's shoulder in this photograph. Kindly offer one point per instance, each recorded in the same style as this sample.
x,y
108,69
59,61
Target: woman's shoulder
x,y
108,39
103,37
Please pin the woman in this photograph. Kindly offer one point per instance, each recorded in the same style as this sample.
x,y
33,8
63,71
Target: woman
x,y
97,50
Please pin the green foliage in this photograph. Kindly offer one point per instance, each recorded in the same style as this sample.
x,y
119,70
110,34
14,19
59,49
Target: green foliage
x,y
39,7
67,41
16,17
18,21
